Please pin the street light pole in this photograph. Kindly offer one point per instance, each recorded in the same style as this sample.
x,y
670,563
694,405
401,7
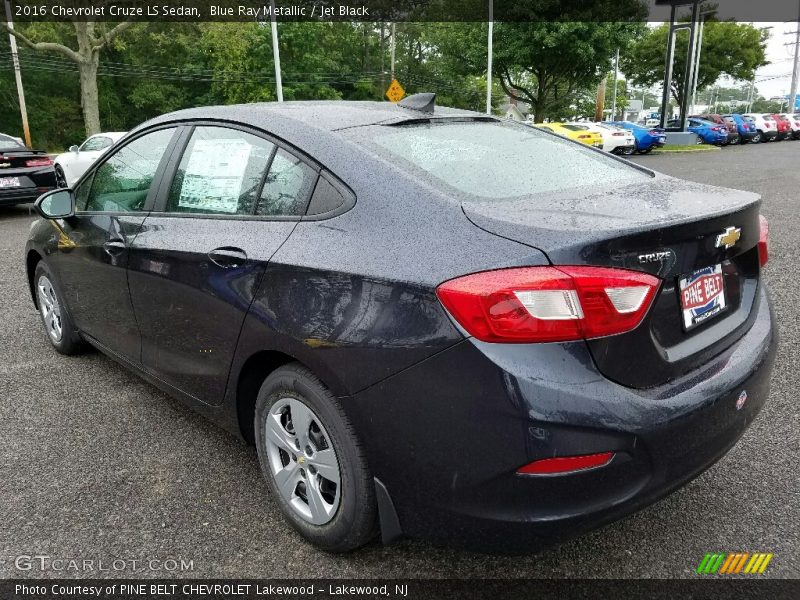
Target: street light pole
x,y
614,97
23,109
793,89
276,53
489,60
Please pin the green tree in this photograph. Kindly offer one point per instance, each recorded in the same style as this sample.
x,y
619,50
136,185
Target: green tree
x,y
82,46
732,49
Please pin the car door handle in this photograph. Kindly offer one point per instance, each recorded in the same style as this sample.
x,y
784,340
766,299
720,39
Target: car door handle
x,y
228,257
114,247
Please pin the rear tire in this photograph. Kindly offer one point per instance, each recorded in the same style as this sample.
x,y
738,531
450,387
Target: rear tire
x,y
648,151
314,465
627,151
53,311
61,179
757,138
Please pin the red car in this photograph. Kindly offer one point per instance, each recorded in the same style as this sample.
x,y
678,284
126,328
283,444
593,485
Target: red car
x,y
733,131
784,127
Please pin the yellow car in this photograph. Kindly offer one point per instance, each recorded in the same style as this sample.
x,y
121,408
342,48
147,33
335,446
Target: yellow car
x,y
574,131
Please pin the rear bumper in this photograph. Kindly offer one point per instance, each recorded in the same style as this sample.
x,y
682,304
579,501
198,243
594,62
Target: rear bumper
x,y
447,436
21,195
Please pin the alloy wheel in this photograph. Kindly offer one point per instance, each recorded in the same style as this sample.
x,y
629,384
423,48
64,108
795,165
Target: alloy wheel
x,y
50,309
303,461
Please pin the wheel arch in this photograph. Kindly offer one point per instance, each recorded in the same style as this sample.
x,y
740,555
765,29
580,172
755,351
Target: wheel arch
x,y
254,371
32,259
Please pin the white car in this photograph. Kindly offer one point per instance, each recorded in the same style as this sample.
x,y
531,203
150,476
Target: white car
x,y
765,125
73,163
615,139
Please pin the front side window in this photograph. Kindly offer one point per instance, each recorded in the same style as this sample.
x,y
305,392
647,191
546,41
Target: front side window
x,y
220,172
122,182
95,143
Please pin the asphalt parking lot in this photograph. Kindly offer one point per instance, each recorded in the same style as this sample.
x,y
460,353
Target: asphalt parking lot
x,y
97,464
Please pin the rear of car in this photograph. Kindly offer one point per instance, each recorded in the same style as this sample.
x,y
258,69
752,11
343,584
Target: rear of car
x,y
582,133
783,126
25,174
616,139
791,125
730,126
765,125
647,138
709,133
590,384
745,127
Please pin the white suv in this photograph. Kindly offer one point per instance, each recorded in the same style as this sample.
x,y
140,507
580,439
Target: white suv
x,y
765,125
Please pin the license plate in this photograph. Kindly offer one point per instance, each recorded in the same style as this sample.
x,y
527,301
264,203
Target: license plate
x,y
6,182
702,296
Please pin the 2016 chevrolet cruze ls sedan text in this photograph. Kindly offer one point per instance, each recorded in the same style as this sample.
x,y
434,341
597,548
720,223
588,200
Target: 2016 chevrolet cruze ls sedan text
x,y
430,322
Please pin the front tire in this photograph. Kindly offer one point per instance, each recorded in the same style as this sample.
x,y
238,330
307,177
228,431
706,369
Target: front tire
x,y
55,317
314,465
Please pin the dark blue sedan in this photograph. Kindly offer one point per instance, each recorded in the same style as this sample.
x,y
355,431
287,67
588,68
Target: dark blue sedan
x,y
746,128
647,138
708,132
430,322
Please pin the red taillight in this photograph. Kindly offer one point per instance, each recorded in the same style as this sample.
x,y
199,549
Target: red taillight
x,y
561,465
653,132
763,240
583,136
548,304
38,162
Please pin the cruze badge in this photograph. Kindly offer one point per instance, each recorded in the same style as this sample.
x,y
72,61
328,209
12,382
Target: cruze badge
x,y
729,237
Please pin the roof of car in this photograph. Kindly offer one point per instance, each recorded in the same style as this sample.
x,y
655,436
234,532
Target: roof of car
x,y
330,115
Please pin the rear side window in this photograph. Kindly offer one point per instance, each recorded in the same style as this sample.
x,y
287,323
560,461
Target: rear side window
x,y
220,172
501,160
287,187
327,197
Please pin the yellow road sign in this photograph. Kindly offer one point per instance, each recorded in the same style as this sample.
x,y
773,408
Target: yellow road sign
x,y
395,92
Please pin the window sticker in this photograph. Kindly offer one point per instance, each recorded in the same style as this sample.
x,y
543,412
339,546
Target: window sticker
x,y
214,175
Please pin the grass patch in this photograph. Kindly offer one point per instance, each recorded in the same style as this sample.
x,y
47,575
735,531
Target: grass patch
x,y
694,148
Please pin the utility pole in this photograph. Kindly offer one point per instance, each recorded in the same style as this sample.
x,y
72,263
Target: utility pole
x,y
392,50
276,53
18,76
793,89
614,97
601,100
697,63
489,60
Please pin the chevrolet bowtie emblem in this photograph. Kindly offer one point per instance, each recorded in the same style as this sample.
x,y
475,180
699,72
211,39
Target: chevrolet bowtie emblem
x,y
729,237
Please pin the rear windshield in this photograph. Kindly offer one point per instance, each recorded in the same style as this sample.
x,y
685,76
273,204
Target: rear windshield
x,y
9,143
501,160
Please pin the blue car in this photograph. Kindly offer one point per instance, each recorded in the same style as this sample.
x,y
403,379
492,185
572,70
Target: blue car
x,y
746,127
708,132
647,138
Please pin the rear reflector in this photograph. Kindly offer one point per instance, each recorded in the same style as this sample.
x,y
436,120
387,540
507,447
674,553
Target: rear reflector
x,y
549,304
763,240
562,465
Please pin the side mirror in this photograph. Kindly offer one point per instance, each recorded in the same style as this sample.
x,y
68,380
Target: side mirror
x,y
74,149
56,204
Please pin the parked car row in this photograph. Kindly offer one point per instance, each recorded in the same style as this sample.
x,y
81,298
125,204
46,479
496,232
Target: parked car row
x,y
625,137
26,173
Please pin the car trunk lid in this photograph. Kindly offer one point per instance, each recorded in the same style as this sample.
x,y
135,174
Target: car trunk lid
x,y
667,227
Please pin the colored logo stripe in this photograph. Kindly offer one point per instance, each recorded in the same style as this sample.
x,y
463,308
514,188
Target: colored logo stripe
x,y
733,563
